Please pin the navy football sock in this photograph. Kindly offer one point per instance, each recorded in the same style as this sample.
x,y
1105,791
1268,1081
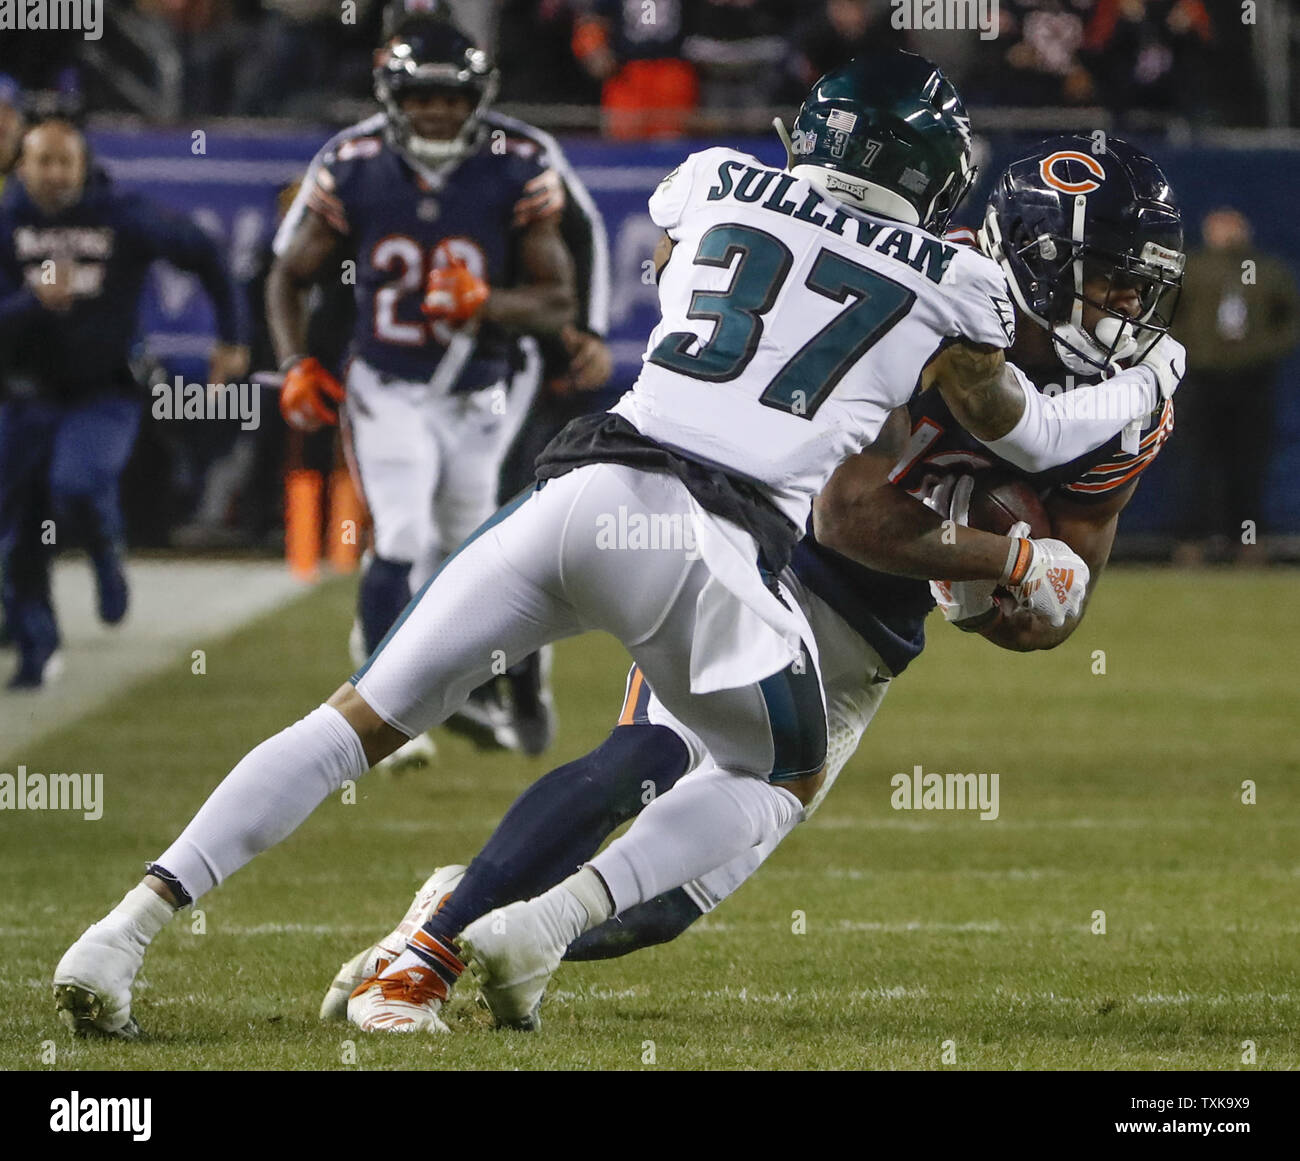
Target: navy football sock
x,y
559,822
385,592
656,920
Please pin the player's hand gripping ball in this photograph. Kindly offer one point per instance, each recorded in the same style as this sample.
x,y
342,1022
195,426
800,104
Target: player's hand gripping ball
x,y
310,396
454,293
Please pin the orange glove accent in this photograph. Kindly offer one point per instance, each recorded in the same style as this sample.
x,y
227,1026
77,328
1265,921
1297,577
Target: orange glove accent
x,y
454,293
310,396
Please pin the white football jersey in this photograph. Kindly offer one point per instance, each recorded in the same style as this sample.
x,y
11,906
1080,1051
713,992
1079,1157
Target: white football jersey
x,y
792,324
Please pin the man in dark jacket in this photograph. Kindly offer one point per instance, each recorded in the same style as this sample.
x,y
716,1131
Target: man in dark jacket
x,y
1239,318
74,254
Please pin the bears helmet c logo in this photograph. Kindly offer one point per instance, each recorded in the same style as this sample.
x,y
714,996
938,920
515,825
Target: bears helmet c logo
x,y
1047,167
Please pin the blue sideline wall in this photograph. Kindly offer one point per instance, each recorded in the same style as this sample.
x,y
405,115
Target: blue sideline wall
x,y
230,188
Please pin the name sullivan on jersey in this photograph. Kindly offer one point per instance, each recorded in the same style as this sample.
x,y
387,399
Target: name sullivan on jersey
x,y
748,183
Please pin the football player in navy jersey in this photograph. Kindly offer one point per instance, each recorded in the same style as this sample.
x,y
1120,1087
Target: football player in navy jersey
x,y
453,226
863,576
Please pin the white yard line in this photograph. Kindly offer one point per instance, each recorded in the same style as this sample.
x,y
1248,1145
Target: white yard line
x,y
176,606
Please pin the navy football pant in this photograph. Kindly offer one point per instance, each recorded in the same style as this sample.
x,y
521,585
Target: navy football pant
x,y
59,462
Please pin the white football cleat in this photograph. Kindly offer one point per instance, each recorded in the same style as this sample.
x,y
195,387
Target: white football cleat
x,y
419,751
407,1001
513,952
92,984
372,960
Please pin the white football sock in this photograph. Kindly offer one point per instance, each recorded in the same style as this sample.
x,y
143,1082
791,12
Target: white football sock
x,y
265,798
702,823
143,910
578,904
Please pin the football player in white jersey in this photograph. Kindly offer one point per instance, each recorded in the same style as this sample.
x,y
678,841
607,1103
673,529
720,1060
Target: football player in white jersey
x,y
869,622
800,309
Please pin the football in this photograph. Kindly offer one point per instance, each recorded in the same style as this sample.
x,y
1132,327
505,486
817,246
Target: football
x,y
1001,499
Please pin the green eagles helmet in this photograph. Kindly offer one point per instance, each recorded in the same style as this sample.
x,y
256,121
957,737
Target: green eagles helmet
x,y
889,134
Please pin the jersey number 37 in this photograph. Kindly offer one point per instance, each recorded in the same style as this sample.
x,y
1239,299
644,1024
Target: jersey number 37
x,y
804,383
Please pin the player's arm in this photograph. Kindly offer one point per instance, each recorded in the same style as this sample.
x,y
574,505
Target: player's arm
x,y
291,276
863,516
579,359
182,243
546,300
1089,529
999,406
310,395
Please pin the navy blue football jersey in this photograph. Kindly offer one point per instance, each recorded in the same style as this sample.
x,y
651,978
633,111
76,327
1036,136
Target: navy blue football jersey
x,y
401,225
889,611
110,238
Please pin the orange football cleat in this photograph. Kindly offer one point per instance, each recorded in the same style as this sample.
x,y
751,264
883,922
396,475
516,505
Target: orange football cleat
x,y
406,1001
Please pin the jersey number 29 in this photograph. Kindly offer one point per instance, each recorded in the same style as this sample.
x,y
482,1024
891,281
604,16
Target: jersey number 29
x,y
804,383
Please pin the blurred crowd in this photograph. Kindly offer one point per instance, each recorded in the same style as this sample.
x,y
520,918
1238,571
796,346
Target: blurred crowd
x,y
653,64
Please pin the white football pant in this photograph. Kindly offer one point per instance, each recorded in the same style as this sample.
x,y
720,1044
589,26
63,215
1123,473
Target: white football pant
x,y
428,462
543,569
855,680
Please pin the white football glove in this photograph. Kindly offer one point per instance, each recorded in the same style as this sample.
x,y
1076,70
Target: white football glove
x,y
967,604
1055,581
1167,359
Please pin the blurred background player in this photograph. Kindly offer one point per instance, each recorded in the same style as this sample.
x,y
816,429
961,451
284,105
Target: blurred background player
x,y
1240,321
867,598
450,270
516,710
74,254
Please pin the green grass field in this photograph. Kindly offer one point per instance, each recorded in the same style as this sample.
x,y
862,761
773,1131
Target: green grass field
x,y
1119,792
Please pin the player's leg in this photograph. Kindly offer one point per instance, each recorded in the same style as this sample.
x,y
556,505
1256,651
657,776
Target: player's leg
x,y
856,681
26,438
91,448
497,593
397,461
628,594
767,739
528,683
562,819
475,430
550,830
467,427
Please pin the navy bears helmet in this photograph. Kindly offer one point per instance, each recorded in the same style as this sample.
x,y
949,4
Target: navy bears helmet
x,y
424,54
888,133
1072,214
